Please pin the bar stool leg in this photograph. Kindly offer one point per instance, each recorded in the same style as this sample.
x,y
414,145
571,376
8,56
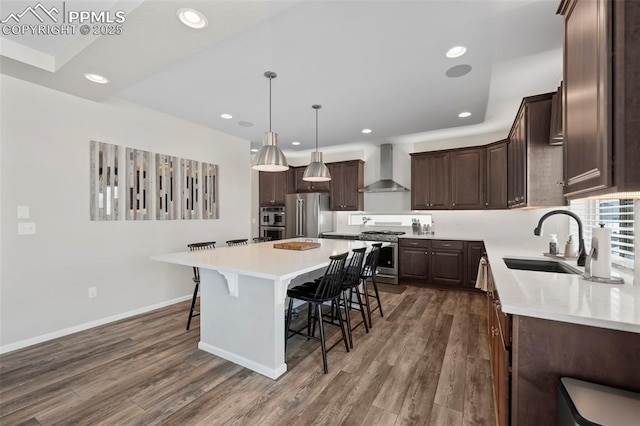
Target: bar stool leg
x,y
375,288
344,336
322,342
364,318
287,324
347,317
366,295
193,304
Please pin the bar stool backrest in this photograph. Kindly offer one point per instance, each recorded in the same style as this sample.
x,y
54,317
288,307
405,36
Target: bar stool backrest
x,y
331,284
200,246
241,242
371,264
261,239
354,269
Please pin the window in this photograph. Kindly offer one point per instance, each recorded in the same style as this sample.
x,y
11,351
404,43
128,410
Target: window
x,y
616,215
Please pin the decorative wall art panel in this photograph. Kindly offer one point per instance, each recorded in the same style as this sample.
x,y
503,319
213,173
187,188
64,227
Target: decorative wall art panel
x,y
210,191
138,177
104,181
166,187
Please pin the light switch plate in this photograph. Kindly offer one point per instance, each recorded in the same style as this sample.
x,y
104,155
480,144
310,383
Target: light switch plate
x,y
26,228
23,212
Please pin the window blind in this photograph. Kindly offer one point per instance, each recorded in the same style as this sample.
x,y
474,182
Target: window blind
x,y
617,215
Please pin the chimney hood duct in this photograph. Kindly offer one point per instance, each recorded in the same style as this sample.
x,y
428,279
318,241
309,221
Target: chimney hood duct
x,y
386,182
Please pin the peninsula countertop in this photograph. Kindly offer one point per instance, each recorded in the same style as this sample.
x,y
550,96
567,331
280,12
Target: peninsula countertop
x,y
560,297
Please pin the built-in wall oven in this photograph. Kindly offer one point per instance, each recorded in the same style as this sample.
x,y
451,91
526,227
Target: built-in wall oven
x,y
273,232
272,216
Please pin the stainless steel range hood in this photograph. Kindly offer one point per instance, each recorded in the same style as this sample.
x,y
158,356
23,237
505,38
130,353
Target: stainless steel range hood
x,y
386,182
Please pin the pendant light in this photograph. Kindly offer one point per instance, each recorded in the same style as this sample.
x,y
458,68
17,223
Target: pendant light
x,y
316,171
269,158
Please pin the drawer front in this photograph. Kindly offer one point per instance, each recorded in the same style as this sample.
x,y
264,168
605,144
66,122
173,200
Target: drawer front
x,y
447,244
417,243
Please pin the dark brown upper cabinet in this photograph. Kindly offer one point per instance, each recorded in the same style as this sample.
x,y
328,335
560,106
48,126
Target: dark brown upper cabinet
x,y
601,96
556,134
430,181
272,188
534,167
347,177
467,178
305,186
496,175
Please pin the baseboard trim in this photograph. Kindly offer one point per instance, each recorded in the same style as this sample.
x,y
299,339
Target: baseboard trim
x,y
86,326
272,373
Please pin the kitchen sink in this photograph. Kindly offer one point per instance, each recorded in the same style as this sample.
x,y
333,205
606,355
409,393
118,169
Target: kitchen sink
x,y
540,265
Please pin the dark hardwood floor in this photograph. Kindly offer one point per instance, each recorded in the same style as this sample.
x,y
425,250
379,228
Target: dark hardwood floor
x,y
426,362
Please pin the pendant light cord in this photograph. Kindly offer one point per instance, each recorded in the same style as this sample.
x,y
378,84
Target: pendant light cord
x,y
316,130
270,78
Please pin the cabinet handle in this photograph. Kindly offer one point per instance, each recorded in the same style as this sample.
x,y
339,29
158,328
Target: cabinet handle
x,y
560,183
446,245
413,244
486,204
454,204
494,331
427,253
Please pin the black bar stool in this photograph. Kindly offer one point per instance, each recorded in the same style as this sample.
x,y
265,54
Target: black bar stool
x,y
351,282
196,278
261,239
328,289
369,272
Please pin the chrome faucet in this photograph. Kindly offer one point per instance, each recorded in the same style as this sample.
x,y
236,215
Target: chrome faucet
x,y
582,254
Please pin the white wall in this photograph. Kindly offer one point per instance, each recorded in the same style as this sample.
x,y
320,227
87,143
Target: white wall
x,y
45,165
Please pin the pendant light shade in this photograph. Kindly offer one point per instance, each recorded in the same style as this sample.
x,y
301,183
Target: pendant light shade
x,y
269,158
316,171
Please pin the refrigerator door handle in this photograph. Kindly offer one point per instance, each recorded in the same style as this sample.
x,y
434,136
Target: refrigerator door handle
x,y
303,216
299,213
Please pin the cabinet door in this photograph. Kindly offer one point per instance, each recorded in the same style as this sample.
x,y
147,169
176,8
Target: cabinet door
x,y
419,182
475,250
279,187
467,179
438,181
352,178
336,190
586,103
496,194
414,263
446,267
272,187
517,154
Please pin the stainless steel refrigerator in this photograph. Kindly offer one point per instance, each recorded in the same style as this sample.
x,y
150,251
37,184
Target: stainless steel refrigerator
x,y
307,215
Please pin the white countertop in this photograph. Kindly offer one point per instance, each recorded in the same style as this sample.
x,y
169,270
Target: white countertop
x,y
262,260
560,297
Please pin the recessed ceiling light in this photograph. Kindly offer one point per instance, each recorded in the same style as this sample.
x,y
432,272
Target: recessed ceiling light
x,y
295,143
192,18
96,78
365,131
456,52
464,114
254,149
226,116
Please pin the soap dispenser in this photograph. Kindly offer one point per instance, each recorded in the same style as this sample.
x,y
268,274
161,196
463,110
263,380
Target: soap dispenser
x,y
570,249
553,244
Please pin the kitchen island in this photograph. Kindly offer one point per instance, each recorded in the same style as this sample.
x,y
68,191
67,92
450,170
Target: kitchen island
x,y
242,297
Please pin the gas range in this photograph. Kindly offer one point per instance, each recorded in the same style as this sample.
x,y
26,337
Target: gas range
x,y
389,236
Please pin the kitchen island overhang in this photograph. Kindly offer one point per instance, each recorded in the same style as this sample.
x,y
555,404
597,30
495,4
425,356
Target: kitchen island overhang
x,y
242,297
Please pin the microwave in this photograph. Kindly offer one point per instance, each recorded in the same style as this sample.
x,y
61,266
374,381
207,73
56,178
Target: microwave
x,y
272,216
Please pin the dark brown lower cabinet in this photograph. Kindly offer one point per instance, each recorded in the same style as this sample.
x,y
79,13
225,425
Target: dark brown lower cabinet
x,y
530,355
413,259
500,346
444,263
447,263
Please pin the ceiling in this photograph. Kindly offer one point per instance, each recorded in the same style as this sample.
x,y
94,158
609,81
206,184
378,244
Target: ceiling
x,y
370,64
